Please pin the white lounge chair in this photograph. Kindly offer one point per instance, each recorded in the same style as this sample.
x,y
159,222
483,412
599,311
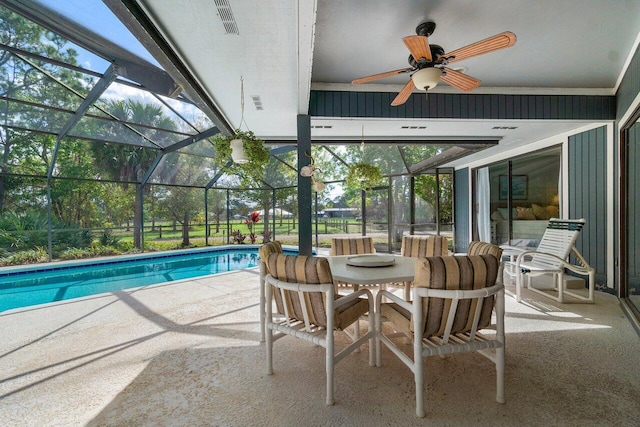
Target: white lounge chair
x,y
552,257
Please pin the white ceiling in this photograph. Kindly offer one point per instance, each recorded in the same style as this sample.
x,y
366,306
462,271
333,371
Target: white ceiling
x,y
286,47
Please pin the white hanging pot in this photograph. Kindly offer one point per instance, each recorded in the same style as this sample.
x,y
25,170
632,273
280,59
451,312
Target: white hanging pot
x,y
237,151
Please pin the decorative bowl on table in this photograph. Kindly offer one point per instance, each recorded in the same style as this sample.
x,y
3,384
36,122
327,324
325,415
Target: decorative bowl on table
x,y
371,261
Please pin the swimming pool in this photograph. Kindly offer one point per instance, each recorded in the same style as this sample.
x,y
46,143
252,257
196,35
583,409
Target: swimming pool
x,y
32,285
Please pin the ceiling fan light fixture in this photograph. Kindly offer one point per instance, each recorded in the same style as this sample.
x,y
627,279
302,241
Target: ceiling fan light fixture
x,y
426,78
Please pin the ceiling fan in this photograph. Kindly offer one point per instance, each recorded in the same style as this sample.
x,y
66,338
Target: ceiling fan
x,y
429,62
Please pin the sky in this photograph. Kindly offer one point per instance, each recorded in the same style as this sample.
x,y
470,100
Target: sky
x,y
95,15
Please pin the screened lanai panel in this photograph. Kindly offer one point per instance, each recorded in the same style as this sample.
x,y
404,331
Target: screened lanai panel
x,y
331,160
33,117
184,169
25,152
282,172
189,112
110,130
137,106
200,148
45,83
415,153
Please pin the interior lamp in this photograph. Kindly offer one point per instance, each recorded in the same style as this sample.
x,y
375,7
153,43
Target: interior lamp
x,y
426,78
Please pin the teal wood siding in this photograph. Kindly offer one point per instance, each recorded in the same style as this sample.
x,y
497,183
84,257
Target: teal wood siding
x,y
463,106
588,195
629,87
461,202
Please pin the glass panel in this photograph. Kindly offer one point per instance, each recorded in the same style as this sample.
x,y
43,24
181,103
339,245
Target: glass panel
x,y
377,217
445,205
534,194
401,220
498,206
633,217
426,202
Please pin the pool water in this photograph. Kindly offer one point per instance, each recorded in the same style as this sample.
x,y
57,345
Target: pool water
x,y
27,288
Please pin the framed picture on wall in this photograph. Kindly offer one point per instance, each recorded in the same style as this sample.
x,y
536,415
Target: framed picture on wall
x,y
518,187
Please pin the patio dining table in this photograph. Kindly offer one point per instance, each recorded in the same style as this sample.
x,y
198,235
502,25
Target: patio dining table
x,y
401,270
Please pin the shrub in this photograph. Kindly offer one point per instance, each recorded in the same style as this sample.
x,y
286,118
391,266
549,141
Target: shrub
x,y
30,256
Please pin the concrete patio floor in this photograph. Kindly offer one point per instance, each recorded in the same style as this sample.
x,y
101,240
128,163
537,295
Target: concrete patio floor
x,y
188,354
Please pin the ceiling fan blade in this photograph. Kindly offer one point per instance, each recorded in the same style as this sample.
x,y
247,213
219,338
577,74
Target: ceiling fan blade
x,y
499,41
404,94
419,47
373,77
459,80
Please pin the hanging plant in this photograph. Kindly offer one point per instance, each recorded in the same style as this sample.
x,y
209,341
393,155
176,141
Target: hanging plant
x,y
255,155
364,176
243,148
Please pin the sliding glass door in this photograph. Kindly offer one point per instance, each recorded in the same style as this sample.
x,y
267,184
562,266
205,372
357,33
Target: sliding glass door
x,y
514,199
631,221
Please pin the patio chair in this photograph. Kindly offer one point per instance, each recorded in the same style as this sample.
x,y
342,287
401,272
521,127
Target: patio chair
x,y
552,257
265,250
304,293
484,248
352,246
420,247
453,299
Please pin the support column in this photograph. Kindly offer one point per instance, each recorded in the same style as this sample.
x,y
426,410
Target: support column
x,y
305,237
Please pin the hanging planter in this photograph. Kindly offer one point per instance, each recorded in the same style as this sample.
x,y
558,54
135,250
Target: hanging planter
x,y
364,176
244,149
237,151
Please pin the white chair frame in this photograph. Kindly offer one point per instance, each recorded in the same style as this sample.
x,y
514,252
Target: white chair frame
x,y
316,335
447,343
551,257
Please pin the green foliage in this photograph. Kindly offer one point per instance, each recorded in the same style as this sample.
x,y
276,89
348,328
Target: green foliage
x,y
107,238
25,231
30,256
254,149
363,176
91,252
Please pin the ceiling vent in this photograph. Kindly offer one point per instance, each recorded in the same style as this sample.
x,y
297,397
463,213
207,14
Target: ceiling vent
x,y
505,127
226,16
257,102
413,127
321,126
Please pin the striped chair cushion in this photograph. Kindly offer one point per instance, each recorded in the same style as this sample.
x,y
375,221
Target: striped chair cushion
x,y
352,246
267,249
423,246
448,272
311,270
483,248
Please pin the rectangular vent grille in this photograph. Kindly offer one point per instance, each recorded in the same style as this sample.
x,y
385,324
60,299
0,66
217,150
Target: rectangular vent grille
x,y
321,127
505,127
257,102
226,16
413,127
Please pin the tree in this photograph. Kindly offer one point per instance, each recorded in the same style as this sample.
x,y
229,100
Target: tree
x,y
129,163
21,151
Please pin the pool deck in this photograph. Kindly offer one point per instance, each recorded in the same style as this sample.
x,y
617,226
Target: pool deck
x,y
188,353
